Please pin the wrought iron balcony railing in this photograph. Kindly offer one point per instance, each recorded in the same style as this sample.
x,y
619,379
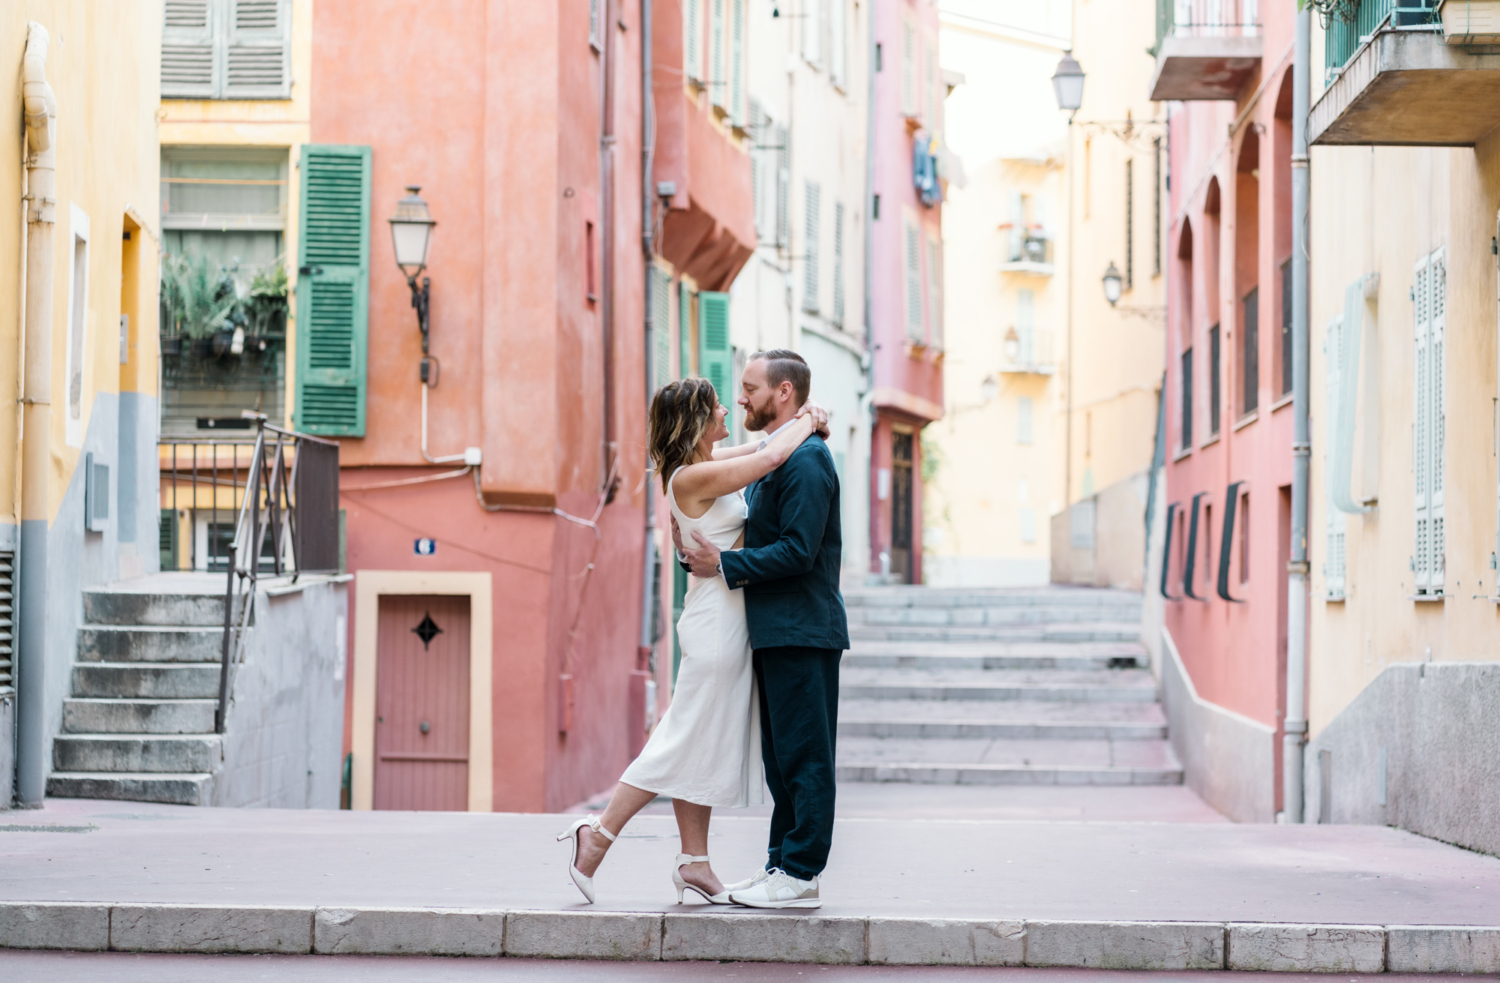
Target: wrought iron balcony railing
x,y
1353,22
1206,18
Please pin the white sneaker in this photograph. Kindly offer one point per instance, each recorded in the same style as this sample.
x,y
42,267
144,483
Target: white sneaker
x,y
749,882
779,890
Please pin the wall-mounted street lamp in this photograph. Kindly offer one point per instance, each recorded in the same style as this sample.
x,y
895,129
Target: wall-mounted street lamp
x,y
1113,282
1011,347
411,234
1067,83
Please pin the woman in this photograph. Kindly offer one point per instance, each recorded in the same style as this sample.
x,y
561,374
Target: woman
x,y
705,752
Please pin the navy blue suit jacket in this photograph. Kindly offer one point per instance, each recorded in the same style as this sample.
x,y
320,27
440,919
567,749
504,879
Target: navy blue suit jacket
x,y
789,566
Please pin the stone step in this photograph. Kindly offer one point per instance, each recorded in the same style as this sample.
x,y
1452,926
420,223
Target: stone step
x,y
938,774
187,790
113,606
950,752
145,680
113,716
935,657
1068,730
160,753
1099,632
941,597
149,643
1125,679
1000,617
1039,692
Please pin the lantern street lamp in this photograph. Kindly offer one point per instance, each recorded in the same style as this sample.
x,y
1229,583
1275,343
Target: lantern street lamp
x,y
411,234
1067,83
1112,284
1011,346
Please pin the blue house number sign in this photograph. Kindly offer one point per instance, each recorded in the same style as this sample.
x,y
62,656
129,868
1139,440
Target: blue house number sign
x,y
425,547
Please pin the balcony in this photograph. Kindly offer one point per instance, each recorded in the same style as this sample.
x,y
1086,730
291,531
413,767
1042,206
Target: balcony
x,y
1030,254
1205,49
1396,79
1027,352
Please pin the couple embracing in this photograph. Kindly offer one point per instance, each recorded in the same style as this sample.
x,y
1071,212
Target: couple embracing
x,y
761,634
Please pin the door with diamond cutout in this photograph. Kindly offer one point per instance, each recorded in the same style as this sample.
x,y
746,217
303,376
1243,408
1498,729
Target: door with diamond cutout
x,y
422,703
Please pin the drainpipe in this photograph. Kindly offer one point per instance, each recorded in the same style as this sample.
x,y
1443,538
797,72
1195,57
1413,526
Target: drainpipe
x,y
36,419
607,235
1295,722
644,658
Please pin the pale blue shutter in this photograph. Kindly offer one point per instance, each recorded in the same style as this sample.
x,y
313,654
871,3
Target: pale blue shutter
x,y
1334,563
913,247
257,63
812,202
1428,302
333,290
187,49
1438,282
715,360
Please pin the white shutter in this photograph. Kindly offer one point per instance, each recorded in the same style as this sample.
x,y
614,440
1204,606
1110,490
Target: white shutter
x,y
1334,564
908,69
757,167
838,60
257,63
1422,426
811,200
913,283
1026,324
737,62
1438,284
783,187
1017,226
717,76
935,290
838,263
692,45
187,50
812,30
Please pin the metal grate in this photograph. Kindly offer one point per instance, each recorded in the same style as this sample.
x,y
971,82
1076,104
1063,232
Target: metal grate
x,y
7,619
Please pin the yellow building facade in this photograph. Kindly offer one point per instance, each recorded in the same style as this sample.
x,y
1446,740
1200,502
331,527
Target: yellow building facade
x,y
79,242
1404,650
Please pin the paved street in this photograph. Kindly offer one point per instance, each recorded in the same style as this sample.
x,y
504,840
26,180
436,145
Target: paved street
x,y
925,867
78,967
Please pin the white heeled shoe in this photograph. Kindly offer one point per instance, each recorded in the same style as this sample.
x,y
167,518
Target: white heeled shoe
x,y
682,858
584,884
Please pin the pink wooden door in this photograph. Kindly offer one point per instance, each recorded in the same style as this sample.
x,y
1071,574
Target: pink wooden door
x,y
422,703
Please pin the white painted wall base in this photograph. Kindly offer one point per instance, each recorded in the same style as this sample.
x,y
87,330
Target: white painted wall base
x,y
984,571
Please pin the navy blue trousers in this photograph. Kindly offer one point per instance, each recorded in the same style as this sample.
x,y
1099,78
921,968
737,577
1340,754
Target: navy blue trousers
x,y
799,710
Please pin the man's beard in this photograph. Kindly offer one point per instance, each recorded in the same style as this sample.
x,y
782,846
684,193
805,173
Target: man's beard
x,y
758,418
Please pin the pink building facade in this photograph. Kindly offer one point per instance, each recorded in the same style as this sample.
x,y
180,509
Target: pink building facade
x,y
906,310
1223,569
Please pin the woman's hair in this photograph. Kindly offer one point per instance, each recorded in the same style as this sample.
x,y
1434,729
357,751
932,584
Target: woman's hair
x,y
681,412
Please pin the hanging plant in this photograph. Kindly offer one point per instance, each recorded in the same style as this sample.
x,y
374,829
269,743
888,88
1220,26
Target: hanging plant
x,y
201,296
1331,10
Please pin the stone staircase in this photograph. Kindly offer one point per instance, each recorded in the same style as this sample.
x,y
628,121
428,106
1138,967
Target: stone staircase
x,y
140,723
1036,686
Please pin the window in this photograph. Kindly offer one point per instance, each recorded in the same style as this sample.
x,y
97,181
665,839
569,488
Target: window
x,y
1023,420
1287,356
838,263
1244,537
913,243
226,49
810,259
1129,224
837,57
934,97
588,262
596,16
758,168
1215,397
1026,324
718,92
78,300
783,187
1428,423
1250,354
1187,399
812,30
736,104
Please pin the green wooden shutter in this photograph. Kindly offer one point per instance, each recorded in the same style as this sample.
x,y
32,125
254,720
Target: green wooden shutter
x,y
333,290
684,331
714,357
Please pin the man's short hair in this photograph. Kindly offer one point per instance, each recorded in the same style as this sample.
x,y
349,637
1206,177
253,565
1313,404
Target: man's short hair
x,y
785,365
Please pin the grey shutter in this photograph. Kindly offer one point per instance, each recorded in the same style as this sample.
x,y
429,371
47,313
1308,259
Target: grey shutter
x,y
257,63
692,47
838,263
812,30
812,202
1429,301
737,61
757,166
908,69
838,61
596,16
1026,324
187,50
1334,567
913,246
783,187
1017,226
661,327
1438,283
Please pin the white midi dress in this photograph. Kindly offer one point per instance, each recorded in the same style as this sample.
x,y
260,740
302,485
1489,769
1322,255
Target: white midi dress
x,y
706,749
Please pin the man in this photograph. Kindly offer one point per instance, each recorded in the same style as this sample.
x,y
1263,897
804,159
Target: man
x,y
789,571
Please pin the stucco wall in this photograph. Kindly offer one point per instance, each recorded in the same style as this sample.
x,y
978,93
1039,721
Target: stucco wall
x,y
1419,748
1101,540
1228,759
283,733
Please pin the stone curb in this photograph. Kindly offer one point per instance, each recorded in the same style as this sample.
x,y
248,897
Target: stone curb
x,y
750,937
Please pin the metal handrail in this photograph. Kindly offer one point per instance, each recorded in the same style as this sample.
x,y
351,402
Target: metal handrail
x,y
270,506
